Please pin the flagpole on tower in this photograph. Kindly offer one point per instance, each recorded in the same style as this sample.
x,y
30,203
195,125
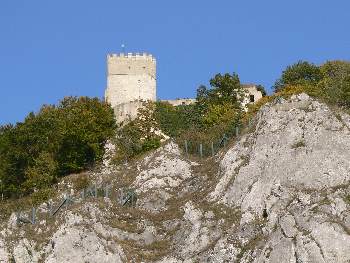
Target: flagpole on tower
x,y
123,48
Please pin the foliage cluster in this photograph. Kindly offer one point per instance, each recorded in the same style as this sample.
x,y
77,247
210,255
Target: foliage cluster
x,y
56,141
329,82
217,111
300,73
139,135
221,103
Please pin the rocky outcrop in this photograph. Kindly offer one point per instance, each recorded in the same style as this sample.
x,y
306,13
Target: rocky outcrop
x,y
3,252
159,175
292,173
280,193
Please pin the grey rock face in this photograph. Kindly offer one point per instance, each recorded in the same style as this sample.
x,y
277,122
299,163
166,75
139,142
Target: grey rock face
x,y
294,174
159,174
3,252
24,252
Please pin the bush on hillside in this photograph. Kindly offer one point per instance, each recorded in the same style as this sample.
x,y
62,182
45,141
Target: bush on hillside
x,y
175,120
224,89
56,141
335,84
138,136
300,73
218,114
329,82
261,88
217,111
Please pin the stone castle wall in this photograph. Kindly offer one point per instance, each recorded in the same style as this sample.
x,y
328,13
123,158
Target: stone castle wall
x,y
251,90
130,77
178,102
128,110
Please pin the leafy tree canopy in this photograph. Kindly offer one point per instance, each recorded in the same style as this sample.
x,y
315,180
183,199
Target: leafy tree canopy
x,y
330,81
299,73
224,88
58,140
261,88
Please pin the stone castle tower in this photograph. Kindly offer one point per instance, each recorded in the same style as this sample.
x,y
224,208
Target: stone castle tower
x,y
131,79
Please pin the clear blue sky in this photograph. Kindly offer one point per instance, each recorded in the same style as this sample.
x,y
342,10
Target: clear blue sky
x,y
51,49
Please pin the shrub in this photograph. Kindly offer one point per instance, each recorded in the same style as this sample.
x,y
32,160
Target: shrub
x,y
217,112
221,113
175,120
224,88
139,135
335,85
81,181
42,174
298,144
56,141
300,73
262,90
330,82
38,197
88,123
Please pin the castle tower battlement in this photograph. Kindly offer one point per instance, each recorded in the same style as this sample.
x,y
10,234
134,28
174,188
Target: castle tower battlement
x,y
130,77
131,64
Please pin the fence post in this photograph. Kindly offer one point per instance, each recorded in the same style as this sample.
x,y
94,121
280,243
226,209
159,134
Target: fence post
x,y
212,149
237,131
121,196
95,190
17,217
201,150
65,204
186,147
49,207
107,191
33,215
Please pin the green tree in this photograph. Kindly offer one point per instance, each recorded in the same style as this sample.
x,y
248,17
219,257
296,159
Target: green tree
x,y
86,125
139,135
173,120
218,114
42,174
299,73
261,88
335,85
224,88
56,141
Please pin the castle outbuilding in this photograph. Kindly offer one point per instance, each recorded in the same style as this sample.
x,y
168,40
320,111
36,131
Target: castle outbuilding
x,y
131,80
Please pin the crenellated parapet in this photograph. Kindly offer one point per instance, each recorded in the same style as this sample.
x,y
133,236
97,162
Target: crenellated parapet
x,y
134,56
131,64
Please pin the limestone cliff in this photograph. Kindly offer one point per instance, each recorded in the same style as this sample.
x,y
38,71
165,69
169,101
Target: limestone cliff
x,y
280,193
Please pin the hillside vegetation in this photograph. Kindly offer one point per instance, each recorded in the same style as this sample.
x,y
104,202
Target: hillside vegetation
x,y
56,141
